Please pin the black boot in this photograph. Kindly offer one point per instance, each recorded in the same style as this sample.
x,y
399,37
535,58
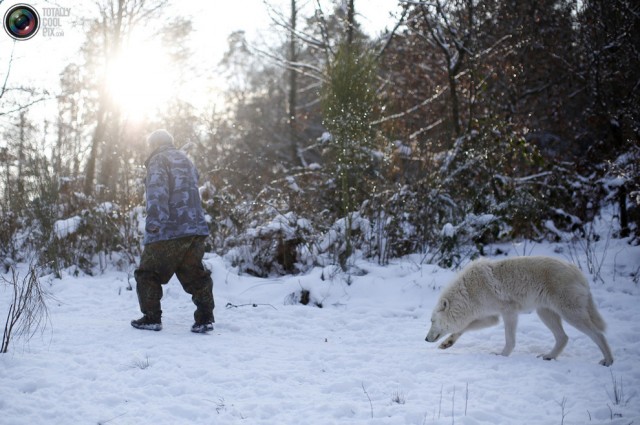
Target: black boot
x,y
147,323
202,327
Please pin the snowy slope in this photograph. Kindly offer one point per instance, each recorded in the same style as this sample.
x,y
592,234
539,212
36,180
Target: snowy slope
x,y
361,359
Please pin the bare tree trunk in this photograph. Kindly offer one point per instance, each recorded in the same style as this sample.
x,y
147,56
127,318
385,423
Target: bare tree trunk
x,y
111,130
454,51
21,153
109,174
624,215
112,23
293,84
90,169
350,21
455,111
56,156
7,192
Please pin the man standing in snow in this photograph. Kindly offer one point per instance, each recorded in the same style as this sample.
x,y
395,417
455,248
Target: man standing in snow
x,y
175,233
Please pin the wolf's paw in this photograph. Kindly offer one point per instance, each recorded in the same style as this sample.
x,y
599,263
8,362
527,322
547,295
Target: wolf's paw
x,y
447,343
546,357
605,362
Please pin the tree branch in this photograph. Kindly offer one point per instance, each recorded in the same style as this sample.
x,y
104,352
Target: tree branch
x,y
28,105
6,78
392,33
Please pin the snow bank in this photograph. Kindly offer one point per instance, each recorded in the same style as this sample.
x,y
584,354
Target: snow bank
x,y
361,359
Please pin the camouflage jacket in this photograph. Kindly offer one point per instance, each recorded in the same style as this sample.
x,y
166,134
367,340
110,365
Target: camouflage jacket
x,y
174,208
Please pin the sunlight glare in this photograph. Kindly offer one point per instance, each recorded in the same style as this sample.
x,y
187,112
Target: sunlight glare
x,y
141,80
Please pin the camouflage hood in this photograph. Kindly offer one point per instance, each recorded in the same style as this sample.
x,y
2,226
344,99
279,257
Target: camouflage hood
x,y
174,208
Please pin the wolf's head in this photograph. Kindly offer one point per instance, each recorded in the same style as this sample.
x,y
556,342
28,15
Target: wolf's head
x,y
454,310
440,321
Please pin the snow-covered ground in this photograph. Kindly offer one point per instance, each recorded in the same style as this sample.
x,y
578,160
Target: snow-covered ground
x,y
360,359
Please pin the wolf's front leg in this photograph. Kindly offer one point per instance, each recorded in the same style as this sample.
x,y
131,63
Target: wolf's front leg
x,y
450,341
483,322
510,319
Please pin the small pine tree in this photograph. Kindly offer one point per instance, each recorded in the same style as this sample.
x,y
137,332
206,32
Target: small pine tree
x,y
348,102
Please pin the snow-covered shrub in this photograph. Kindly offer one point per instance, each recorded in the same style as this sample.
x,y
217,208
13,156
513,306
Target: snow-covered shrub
x,y
10,225
27,307
278,247
56,226
480,191
253,233
622,185
343,239
227,213
399,223
457,243
94,238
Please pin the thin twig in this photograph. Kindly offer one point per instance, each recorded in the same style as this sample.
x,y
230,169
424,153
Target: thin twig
x,y
112,419
393,32
230,305
466,399
370,403
563,405
27,105
28,310
440,403
453,405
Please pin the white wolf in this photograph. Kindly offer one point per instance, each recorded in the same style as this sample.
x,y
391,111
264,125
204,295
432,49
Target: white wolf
x,y
486,289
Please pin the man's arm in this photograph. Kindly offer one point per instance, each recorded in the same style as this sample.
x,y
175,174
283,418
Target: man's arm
x,y
157,195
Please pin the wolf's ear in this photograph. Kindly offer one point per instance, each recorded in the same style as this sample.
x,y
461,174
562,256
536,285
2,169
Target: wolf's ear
x,y
444,304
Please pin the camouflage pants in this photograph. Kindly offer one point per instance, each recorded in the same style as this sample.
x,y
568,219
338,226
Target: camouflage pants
x,y
182,257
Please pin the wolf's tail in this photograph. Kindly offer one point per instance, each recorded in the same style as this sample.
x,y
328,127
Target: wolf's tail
x,y
595,316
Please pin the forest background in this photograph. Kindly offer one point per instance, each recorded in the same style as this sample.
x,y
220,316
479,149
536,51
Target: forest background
x,y
465,122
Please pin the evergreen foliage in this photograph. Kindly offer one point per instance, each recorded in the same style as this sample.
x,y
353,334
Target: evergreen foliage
x,y
348,105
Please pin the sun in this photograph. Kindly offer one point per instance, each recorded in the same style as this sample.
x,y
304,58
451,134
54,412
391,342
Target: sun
x,y
141,80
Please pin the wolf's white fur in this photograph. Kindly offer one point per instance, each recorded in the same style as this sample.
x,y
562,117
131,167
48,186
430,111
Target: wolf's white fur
x,y
487,289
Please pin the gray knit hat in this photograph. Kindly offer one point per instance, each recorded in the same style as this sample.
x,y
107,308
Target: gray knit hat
x,y
160,138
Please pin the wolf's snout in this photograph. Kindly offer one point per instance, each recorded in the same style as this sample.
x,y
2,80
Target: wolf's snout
x,y
432,338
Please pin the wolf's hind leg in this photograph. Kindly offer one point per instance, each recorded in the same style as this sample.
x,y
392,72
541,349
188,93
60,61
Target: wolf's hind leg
x,y
583,323
553,321
481,323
